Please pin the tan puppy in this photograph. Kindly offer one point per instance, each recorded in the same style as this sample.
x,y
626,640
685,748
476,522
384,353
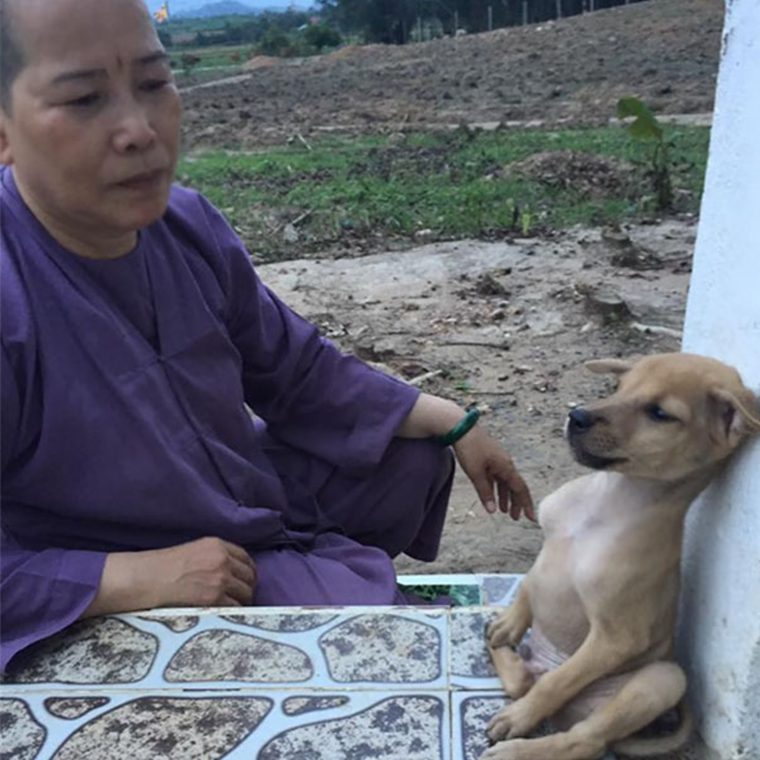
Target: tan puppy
x,y
601,598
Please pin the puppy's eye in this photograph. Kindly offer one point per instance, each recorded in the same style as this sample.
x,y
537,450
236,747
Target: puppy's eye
x,y
658,414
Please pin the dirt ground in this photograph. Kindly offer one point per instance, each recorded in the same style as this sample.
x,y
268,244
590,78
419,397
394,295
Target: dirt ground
x,y
574,70
506,326
503,324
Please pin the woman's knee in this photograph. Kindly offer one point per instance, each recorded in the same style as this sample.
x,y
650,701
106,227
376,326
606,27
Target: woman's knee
x,y
422,459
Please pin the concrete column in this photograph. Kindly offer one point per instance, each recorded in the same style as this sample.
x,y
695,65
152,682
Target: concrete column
x,y
719,635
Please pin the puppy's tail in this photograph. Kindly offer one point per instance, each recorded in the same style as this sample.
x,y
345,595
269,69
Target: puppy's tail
x,y
637,746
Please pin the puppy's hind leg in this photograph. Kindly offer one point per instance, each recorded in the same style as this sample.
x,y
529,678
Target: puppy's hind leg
x,y
652,690
649,693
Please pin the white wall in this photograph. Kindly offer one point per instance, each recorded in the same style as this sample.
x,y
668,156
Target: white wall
x,y
719,636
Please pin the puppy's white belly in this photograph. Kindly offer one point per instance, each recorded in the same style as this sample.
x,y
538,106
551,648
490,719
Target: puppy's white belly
x,y
541,656
583,524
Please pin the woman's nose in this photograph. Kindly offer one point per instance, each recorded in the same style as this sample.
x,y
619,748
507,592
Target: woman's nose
x,y
134,131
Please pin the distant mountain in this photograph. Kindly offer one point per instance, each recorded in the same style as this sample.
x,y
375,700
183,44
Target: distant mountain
x,y
194,9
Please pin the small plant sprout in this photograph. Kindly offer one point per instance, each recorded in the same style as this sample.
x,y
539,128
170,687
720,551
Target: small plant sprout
x,y
646,128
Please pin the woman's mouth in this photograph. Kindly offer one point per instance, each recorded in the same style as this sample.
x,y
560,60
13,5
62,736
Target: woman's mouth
x,y
144,181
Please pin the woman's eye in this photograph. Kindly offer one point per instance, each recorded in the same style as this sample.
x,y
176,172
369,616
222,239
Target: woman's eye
x,y
154,84
658,414
84,101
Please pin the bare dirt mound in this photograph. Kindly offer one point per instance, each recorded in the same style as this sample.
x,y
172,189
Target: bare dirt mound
x,y
589,174
574,70
260,62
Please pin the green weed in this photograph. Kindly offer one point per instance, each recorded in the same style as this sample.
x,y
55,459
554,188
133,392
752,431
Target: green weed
x,y
350,192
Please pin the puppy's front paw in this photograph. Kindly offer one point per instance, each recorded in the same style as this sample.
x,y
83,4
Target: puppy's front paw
x,y
508,629
516,719
511,750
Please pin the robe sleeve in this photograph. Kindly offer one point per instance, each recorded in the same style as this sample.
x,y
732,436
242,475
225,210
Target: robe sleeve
x,y
41,591
310,394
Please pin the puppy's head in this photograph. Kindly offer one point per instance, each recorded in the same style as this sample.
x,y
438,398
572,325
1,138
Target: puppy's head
x,y
671,416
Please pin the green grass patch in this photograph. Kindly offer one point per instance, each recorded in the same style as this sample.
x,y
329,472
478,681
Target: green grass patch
x,y
454,594
450,185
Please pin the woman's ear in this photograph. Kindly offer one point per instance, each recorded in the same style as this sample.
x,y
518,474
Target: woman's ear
x,y
6,156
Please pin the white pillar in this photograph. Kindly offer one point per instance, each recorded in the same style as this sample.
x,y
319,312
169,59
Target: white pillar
x,y
719,634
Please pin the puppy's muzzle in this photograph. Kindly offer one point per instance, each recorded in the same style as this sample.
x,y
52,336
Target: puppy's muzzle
x,y
590,447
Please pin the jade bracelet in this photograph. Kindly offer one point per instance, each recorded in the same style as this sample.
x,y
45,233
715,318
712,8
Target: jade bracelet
x,y
462,427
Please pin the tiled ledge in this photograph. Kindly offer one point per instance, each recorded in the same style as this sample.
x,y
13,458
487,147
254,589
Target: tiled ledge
x,y
263,684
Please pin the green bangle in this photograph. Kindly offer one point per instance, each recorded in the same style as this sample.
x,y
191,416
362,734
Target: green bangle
x,y
459,430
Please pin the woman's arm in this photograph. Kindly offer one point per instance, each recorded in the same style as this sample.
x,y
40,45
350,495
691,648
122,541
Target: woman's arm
x,y
207,572
429,417
488,466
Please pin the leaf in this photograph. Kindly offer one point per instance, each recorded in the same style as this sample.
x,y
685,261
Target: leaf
x,y
645,125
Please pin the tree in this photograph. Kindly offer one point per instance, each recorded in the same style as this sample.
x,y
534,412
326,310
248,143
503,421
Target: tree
x,y
274,42
393,20
321,36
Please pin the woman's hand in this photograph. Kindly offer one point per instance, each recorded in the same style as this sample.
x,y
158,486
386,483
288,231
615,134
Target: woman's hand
x,y
207,572
493,474
484,461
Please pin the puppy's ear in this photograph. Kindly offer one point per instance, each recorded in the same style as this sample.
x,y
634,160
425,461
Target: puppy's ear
x,y
609,366
735,417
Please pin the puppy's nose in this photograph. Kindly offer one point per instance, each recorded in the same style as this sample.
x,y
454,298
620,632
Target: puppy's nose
x,y
579,421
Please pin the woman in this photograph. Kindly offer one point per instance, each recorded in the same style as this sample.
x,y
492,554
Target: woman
x,y
136,337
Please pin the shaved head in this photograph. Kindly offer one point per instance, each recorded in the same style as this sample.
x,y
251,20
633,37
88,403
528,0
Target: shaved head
x,y
14,16
93,136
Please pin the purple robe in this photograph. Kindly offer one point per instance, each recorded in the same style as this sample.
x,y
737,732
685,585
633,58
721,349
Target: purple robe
x,y
127,386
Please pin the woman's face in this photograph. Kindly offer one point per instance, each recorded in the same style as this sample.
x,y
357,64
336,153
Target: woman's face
x,y
93,128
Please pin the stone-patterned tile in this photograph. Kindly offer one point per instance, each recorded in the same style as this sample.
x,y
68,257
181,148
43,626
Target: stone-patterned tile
x,y
23,735
105,650
371,647
168,727
283,622
223,655
73,707
236,725
176,623
142,726
303,705
385,648
500,590
391,726
470,713
470,664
